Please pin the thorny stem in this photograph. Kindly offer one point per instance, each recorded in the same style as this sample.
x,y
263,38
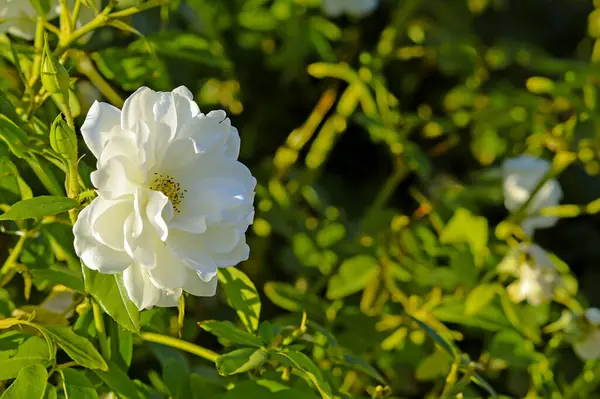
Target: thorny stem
x,y
180,344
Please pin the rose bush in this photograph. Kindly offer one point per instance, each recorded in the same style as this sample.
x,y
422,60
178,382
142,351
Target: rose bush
x,y
408,210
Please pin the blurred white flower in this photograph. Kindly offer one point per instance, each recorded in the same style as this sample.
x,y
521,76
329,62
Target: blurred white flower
x,y
537,277
173,202
18,17
521,175
355,8
587,346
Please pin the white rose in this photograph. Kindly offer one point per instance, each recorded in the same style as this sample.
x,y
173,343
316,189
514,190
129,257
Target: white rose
x,y
521,175
537,277
173,202
355,8
18,17
587,347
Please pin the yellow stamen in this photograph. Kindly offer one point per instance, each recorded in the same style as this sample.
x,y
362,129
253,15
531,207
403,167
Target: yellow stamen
x,y
169,187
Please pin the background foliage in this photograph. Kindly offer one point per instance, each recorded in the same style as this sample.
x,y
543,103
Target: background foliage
x,y
376,143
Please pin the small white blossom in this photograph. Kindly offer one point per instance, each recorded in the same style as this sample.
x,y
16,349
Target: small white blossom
x,y
521,175
355,8
587,346
173,202
537,276
18,17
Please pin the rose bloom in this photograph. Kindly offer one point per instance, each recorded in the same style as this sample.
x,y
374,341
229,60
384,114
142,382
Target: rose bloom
x,y
521,175
173,202
19,17
355,8
537,277
587,347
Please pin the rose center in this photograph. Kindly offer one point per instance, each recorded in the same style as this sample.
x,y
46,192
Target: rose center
x,y
168,186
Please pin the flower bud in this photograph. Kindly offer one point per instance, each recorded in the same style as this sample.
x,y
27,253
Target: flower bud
x,y
63,140
55,77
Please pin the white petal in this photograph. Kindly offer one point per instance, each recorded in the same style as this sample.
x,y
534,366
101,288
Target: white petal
x,y
139,287
139,107
191,223
208,132
232,146
158,205
140,244
94,254
106,222
526,164
220,239
165,114
219,168
239,254
196,286
118,176
100,125
593,316
169,273
530,224
187,248
185,105
178,155
169,299
333,8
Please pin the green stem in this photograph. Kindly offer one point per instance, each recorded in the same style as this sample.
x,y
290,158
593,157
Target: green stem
x,y
388,188
39,49
14,255
75,14
180,344
86,67
136,9
99,322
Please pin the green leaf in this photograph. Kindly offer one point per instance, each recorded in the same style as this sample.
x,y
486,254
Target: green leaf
x,y
330,234
303,363
50,392
266,389
353,276
18,350
38,207
14,137
445,344
359,364
433,366
121,344
464,227
118,381
177,379
205,388
480,297
240,360
59,275
77,347
30,383
241,295
76,385
226,330
109,291
479,380
288,297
